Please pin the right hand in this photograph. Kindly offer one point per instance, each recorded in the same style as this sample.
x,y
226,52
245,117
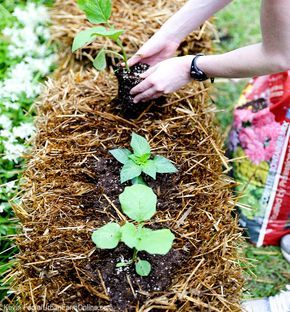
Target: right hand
x,y
157,49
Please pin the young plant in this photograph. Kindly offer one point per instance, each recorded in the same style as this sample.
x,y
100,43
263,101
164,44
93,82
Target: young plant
x,y
99,12
140,161
138,202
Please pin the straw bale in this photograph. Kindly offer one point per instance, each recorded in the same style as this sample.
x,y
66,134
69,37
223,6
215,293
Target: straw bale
x,y
63,202
139,18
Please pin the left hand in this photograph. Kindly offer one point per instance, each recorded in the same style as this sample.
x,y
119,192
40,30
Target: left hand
x,y
163,78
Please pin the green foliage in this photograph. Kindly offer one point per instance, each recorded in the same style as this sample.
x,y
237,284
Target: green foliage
x,y
140,146
100,62
9,170
143,267
157,242
138,202
108,236
99,12
139,161
266,272
89,35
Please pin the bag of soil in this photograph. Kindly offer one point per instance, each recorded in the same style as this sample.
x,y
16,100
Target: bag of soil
x,y
259,142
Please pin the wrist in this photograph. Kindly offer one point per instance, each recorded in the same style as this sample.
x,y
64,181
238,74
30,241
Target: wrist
x,y
198,68
186,62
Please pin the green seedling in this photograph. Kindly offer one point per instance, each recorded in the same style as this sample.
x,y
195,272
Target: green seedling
x,y
138,202
99,12
140,161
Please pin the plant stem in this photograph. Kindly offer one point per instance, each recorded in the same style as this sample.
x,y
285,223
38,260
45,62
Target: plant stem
x,y
135,257
119,43
138,180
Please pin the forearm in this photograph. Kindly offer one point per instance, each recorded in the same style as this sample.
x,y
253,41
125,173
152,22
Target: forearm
x,y
245,62
270,56
191,16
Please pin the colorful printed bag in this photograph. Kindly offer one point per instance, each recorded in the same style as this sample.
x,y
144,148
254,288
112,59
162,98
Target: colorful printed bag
x,y
259,143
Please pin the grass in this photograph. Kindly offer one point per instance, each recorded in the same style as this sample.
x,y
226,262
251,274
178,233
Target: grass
x,y
266,272
238,25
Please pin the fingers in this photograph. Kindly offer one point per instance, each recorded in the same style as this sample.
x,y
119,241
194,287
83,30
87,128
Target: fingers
x,y
141,87
148,72
135,59
147,95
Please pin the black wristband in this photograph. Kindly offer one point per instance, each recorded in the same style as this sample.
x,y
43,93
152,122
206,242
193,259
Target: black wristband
x,y
196,73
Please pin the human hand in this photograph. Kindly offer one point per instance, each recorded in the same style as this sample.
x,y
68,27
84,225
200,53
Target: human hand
x,y
158,48
163,78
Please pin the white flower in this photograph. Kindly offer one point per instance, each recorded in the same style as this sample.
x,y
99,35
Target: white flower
x,y
10,104
24,131
2,207
8,135
10,186
31,15
5,122
12,151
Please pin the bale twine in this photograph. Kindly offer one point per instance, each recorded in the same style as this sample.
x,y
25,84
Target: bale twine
x,y
70,191
139,18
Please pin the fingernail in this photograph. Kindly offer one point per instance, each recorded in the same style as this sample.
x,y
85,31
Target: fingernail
x,y
135,101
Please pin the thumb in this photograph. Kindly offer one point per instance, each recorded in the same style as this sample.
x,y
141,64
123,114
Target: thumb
x,y
136,58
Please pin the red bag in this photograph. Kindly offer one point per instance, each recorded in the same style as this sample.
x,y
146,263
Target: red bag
x,y
261,132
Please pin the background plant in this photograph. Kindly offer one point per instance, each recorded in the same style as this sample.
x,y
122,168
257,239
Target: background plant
x,y
140,161
138,202
25,59
99,12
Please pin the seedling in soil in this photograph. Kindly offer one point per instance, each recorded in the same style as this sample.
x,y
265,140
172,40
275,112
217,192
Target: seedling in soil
x,y
99,12
140,161
138,202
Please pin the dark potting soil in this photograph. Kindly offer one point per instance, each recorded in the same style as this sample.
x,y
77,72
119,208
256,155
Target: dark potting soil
x,y
124,286
127,81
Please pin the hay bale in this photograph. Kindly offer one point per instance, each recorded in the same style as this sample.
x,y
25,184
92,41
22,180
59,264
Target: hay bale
x,y
139,18
72,188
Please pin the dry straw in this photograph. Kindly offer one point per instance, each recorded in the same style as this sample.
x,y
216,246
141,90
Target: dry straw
x,y
66,198
139,18
70,189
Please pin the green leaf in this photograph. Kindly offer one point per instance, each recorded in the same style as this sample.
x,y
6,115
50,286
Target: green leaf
x,y
138,180
113,34
129,171
150,168
129,235
164,165
83,38
156,242
100,62
143,268
121,154
123,264
140,160
140,145
138,202
97,11
89,35
108,236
